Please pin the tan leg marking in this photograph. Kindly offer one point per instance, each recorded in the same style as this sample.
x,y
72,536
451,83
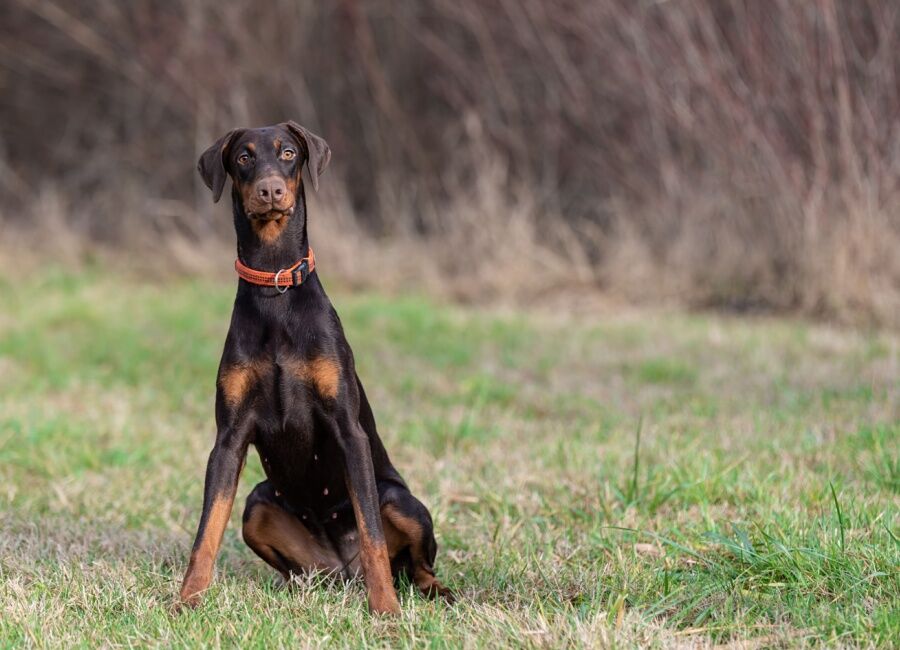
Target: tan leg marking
x,y
401,531
203,557
376,565
269,529
323,373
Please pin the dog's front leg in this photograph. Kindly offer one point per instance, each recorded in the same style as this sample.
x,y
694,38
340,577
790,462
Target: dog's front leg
x,y
222,472
373,552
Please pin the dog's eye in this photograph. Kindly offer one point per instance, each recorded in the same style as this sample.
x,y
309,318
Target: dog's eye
x,y
243,159
288,154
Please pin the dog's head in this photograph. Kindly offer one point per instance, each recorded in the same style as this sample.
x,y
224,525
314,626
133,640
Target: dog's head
x,y
265,165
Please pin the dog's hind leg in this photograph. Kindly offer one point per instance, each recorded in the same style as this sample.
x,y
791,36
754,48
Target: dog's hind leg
x,y
409,532
282,540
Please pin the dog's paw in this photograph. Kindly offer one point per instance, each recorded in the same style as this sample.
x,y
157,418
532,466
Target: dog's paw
x,y
446,594
385,604
190,596
434,590
183,604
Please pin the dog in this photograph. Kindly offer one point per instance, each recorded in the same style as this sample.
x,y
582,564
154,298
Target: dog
x,y
332,502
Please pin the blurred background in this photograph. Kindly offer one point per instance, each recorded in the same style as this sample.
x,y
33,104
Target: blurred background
x,y
737,154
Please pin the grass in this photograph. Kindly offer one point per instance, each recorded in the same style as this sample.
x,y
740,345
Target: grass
x,y
758,507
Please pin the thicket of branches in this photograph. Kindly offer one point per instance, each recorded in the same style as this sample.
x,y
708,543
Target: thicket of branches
x,y
722,152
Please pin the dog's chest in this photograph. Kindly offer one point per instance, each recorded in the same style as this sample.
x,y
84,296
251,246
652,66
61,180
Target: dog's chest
x,y
303,464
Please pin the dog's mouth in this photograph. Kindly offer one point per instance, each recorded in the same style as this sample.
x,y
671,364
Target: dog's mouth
x,y
271,215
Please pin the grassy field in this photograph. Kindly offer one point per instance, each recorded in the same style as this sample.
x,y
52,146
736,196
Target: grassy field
x,y
632,479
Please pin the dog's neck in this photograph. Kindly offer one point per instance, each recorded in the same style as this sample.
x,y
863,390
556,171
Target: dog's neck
x,y
272,246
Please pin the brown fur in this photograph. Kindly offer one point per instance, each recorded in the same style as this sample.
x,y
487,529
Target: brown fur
x,y
268,527
376,564
236,381
400,532
402,529
200,568
323,373
270,230
292,184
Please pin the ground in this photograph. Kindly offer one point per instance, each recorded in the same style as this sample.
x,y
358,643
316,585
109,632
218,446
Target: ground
x,y
628,479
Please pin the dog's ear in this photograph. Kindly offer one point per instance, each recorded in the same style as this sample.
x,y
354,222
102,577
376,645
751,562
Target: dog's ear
x,y
212,164
318,152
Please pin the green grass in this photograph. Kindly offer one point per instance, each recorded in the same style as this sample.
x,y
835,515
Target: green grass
x,y
760,505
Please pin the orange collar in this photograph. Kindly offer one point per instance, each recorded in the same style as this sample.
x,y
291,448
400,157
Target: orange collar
x,y
282,280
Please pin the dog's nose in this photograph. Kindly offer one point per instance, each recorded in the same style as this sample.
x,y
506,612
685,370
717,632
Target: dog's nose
x,y
271,189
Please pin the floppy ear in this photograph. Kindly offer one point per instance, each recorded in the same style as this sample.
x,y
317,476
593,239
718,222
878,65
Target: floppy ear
x,y
318,152
212,164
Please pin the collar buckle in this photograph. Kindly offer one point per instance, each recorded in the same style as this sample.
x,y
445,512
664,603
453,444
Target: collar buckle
x,y
299,274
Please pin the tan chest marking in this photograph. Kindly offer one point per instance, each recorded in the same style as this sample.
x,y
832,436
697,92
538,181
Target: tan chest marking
x,y
237,380
323,373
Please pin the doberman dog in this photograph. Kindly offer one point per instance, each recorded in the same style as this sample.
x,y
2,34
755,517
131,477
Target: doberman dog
x,y
332,501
